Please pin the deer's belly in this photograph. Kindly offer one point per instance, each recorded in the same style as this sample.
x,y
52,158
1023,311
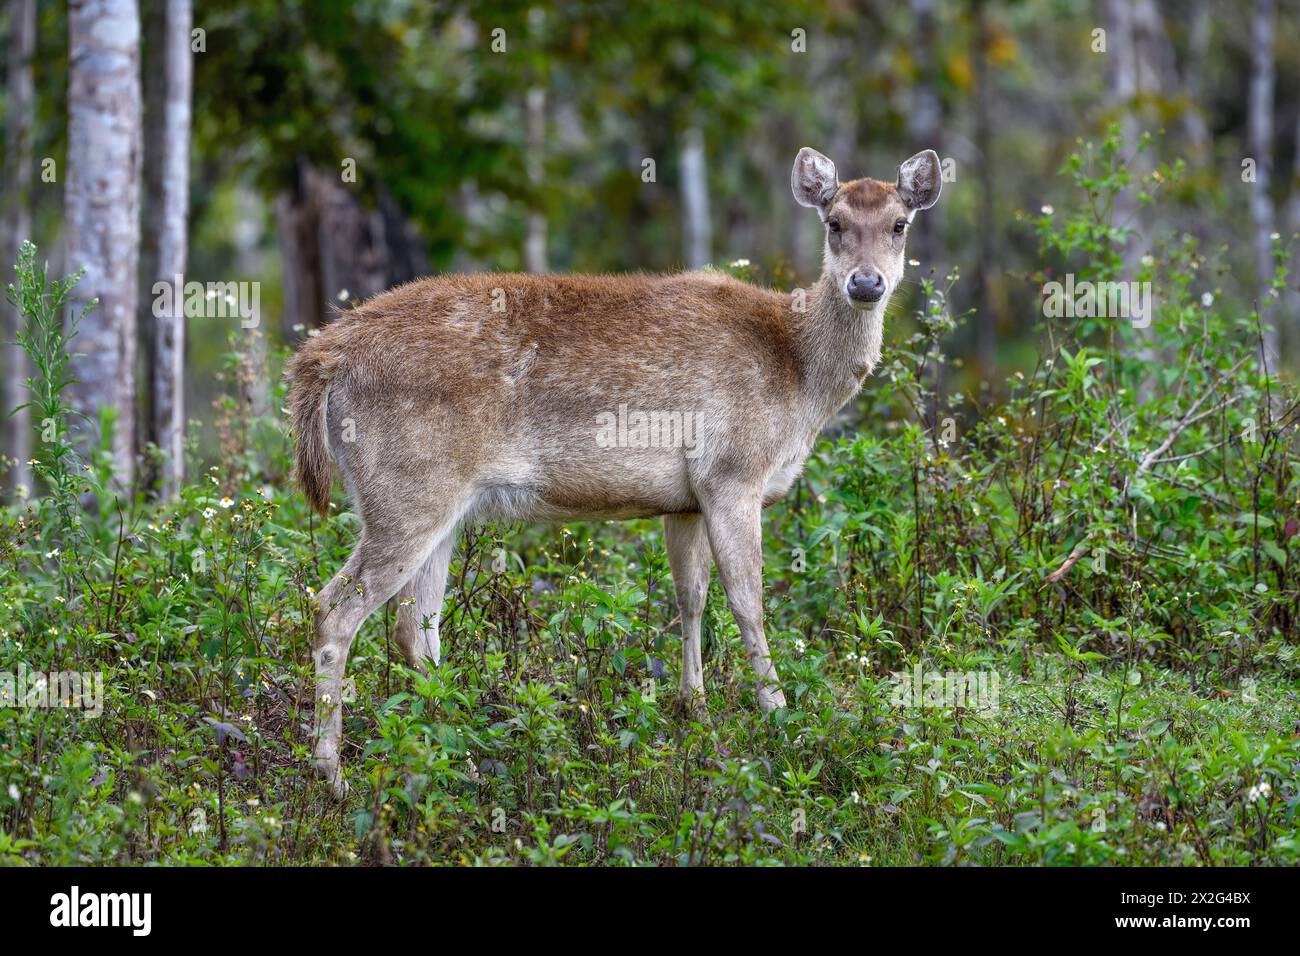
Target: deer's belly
x,y
612,484
780,481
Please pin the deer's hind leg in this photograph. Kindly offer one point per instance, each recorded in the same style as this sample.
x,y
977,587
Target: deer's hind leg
x,y
420,606
385,558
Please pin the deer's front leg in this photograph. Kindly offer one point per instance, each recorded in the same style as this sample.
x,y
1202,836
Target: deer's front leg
x,y
734,518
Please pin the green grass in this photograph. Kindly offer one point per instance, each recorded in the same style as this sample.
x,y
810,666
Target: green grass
x,y
1147,705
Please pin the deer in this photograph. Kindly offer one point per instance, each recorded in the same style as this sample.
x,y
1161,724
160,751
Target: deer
x,y
460,399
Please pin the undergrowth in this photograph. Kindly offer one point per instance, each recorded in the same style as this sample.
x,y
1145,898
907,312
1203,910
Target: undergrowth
x,y
1112,549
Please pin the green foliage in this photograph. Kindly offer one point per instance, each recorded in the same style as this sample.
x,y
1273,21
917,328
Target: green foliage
x,y
1139,611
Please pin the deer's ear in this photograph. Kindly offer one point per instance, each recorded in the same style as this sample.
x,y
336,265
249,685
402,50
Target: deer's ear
x,y
920,179
813,180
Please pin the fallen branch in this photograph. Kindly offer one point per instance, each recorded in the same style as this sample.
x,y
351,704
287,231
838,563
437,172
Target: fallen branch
x,y
1079,551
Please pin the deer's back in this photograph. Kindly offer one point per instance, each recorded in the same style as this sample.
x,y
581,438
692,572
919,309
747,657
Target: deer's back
x,y
633,336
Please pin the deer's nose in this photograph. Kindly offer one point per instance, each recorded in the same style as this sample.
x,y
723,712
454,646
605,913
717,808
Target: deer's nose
x,y
865,286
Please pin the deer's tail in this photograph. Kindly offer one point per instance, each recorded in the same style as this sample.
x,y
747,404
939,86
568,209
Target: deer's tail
x,y
309,380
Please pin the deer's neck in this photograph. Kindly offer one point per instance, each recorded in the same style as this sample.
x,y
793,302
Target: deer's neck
x,y
837,346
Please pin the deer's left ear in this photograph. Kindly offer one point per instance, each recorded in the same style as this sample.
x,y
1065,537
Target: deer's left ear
x,y
920,179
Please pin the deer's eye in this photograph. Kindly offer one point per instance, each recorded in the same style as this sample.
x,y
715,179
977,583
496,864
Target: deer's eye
x,y
899,226
833,225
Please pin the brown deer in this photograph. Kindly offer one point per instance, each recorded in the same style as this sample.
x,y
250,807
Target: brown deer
x,y
526,397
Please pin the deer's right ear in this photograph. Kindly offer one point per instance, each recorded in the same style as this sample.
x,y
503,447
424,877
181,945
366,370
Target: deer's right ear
x,y
813,180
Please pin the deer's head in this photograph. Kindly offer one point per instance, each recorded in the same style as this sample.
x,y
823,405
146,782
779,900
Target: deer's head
x,y
866,221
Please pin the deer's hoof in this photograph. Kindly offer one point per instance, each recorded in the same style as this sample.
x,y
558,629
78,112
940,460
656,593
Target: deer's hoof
x,y
332,773
339,787
326,761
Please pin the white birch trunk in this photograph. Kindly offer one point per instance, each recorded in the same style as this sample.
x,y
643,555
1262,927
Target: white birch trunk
x,y
102,202
168,88
535,259
697,225
19,124
1260,135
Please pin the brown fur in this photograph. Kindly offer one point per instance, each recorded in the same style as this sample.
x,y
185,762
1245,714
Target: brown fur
x,y
564,349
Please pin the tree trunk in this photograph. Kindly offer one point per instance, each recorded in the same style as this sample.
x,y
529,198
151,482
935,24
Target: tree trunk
x,y
926,122
297,224
353,250
1122,89
405,256
102,200
1198,133
697,230
167,89
253,376
335,251
1156,65
17,430
986,321
1134,34
925,127
1260,134
535,235
534,152
1289,333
